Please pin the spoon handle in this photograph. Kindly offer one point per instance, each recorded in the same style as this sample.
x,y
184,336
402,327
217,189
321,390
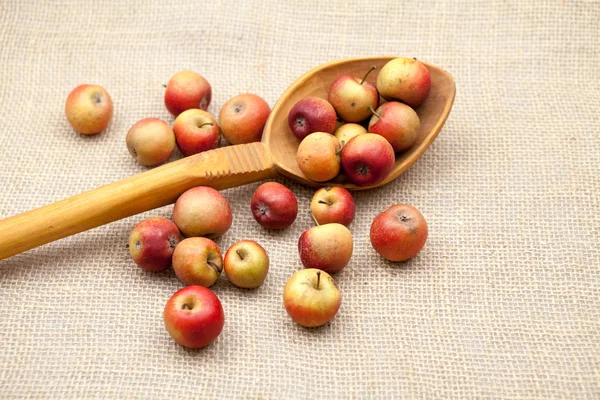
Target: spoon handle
x,y
220,168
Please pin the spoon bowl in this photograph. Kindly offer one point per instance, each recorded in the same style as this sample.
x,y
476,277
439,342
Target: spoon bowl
x,y
283,144
221,168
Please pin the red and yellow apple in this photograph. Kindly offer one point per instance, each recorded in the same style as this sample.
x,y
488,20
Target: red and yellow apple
x,y
187,90
368,159
333,204
399,233
196,131
311,297
274,206
318,156
246,264
89,109
202,211
150,141
327,247
311,114
243,118
152,242
197,261
396,122
194,317
404,79
352,98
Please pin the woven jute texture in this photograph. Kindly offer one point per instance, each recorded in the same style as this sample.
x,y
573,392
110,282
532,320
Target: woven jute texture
x,y
503,301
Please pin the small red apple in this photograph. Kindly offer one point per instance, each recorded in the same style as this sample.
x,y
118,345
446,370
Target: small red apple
x,y
246,264
151,243
399,233
274,206
197,261
318,156
333,204
187,90
311,114
368,159
196,131
202,211
396,122
89,109
150,141
327,247
311,297
243,118
194,317
353,97
404,79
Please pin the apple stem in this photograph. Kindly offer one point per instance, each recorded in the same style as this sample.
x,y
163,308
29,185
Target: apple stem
x,y
329,203
206,123
313,218
318,279
367,74
215,266
342,144
374,112
240,254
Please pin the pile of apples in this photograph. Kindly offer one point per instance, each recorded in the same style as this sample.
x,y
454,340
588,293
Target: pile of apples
x,y
194,316
364,146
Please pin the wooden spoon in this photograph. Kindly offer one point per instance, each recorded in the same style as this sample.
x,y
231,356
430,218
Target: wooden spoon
x,y
221,168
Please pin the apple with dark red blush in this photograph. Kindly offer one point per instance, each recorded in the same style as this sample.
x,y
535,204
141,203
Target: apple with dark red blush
x,y
368,159
399,233
312,114
152,242
274,206
194,317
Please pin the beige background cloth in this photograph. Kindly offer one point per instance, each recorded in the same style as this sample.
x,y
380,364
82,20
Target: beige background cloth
x,y
504,300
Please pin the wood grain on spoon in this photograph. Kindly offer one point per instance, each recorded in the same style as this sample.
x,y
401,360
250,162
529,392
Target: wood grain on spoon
x,y
221,168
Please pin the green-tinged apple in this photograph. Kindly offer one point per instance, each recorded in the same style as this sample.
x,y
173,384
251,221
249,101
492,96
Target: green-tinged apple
x,y
367,159
333,204
187,90
311,297
346,132
197,261
202,211
274,206
242,118
396,122
352,97
318,156
246,264
150,141
194,317
404,79
399,233
89,109
312,114
152,242
327,247
196,131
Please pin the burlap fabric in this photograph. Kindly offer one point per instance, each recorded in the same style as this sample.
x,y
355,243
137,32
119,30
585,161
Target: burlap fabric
x,y
503,302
